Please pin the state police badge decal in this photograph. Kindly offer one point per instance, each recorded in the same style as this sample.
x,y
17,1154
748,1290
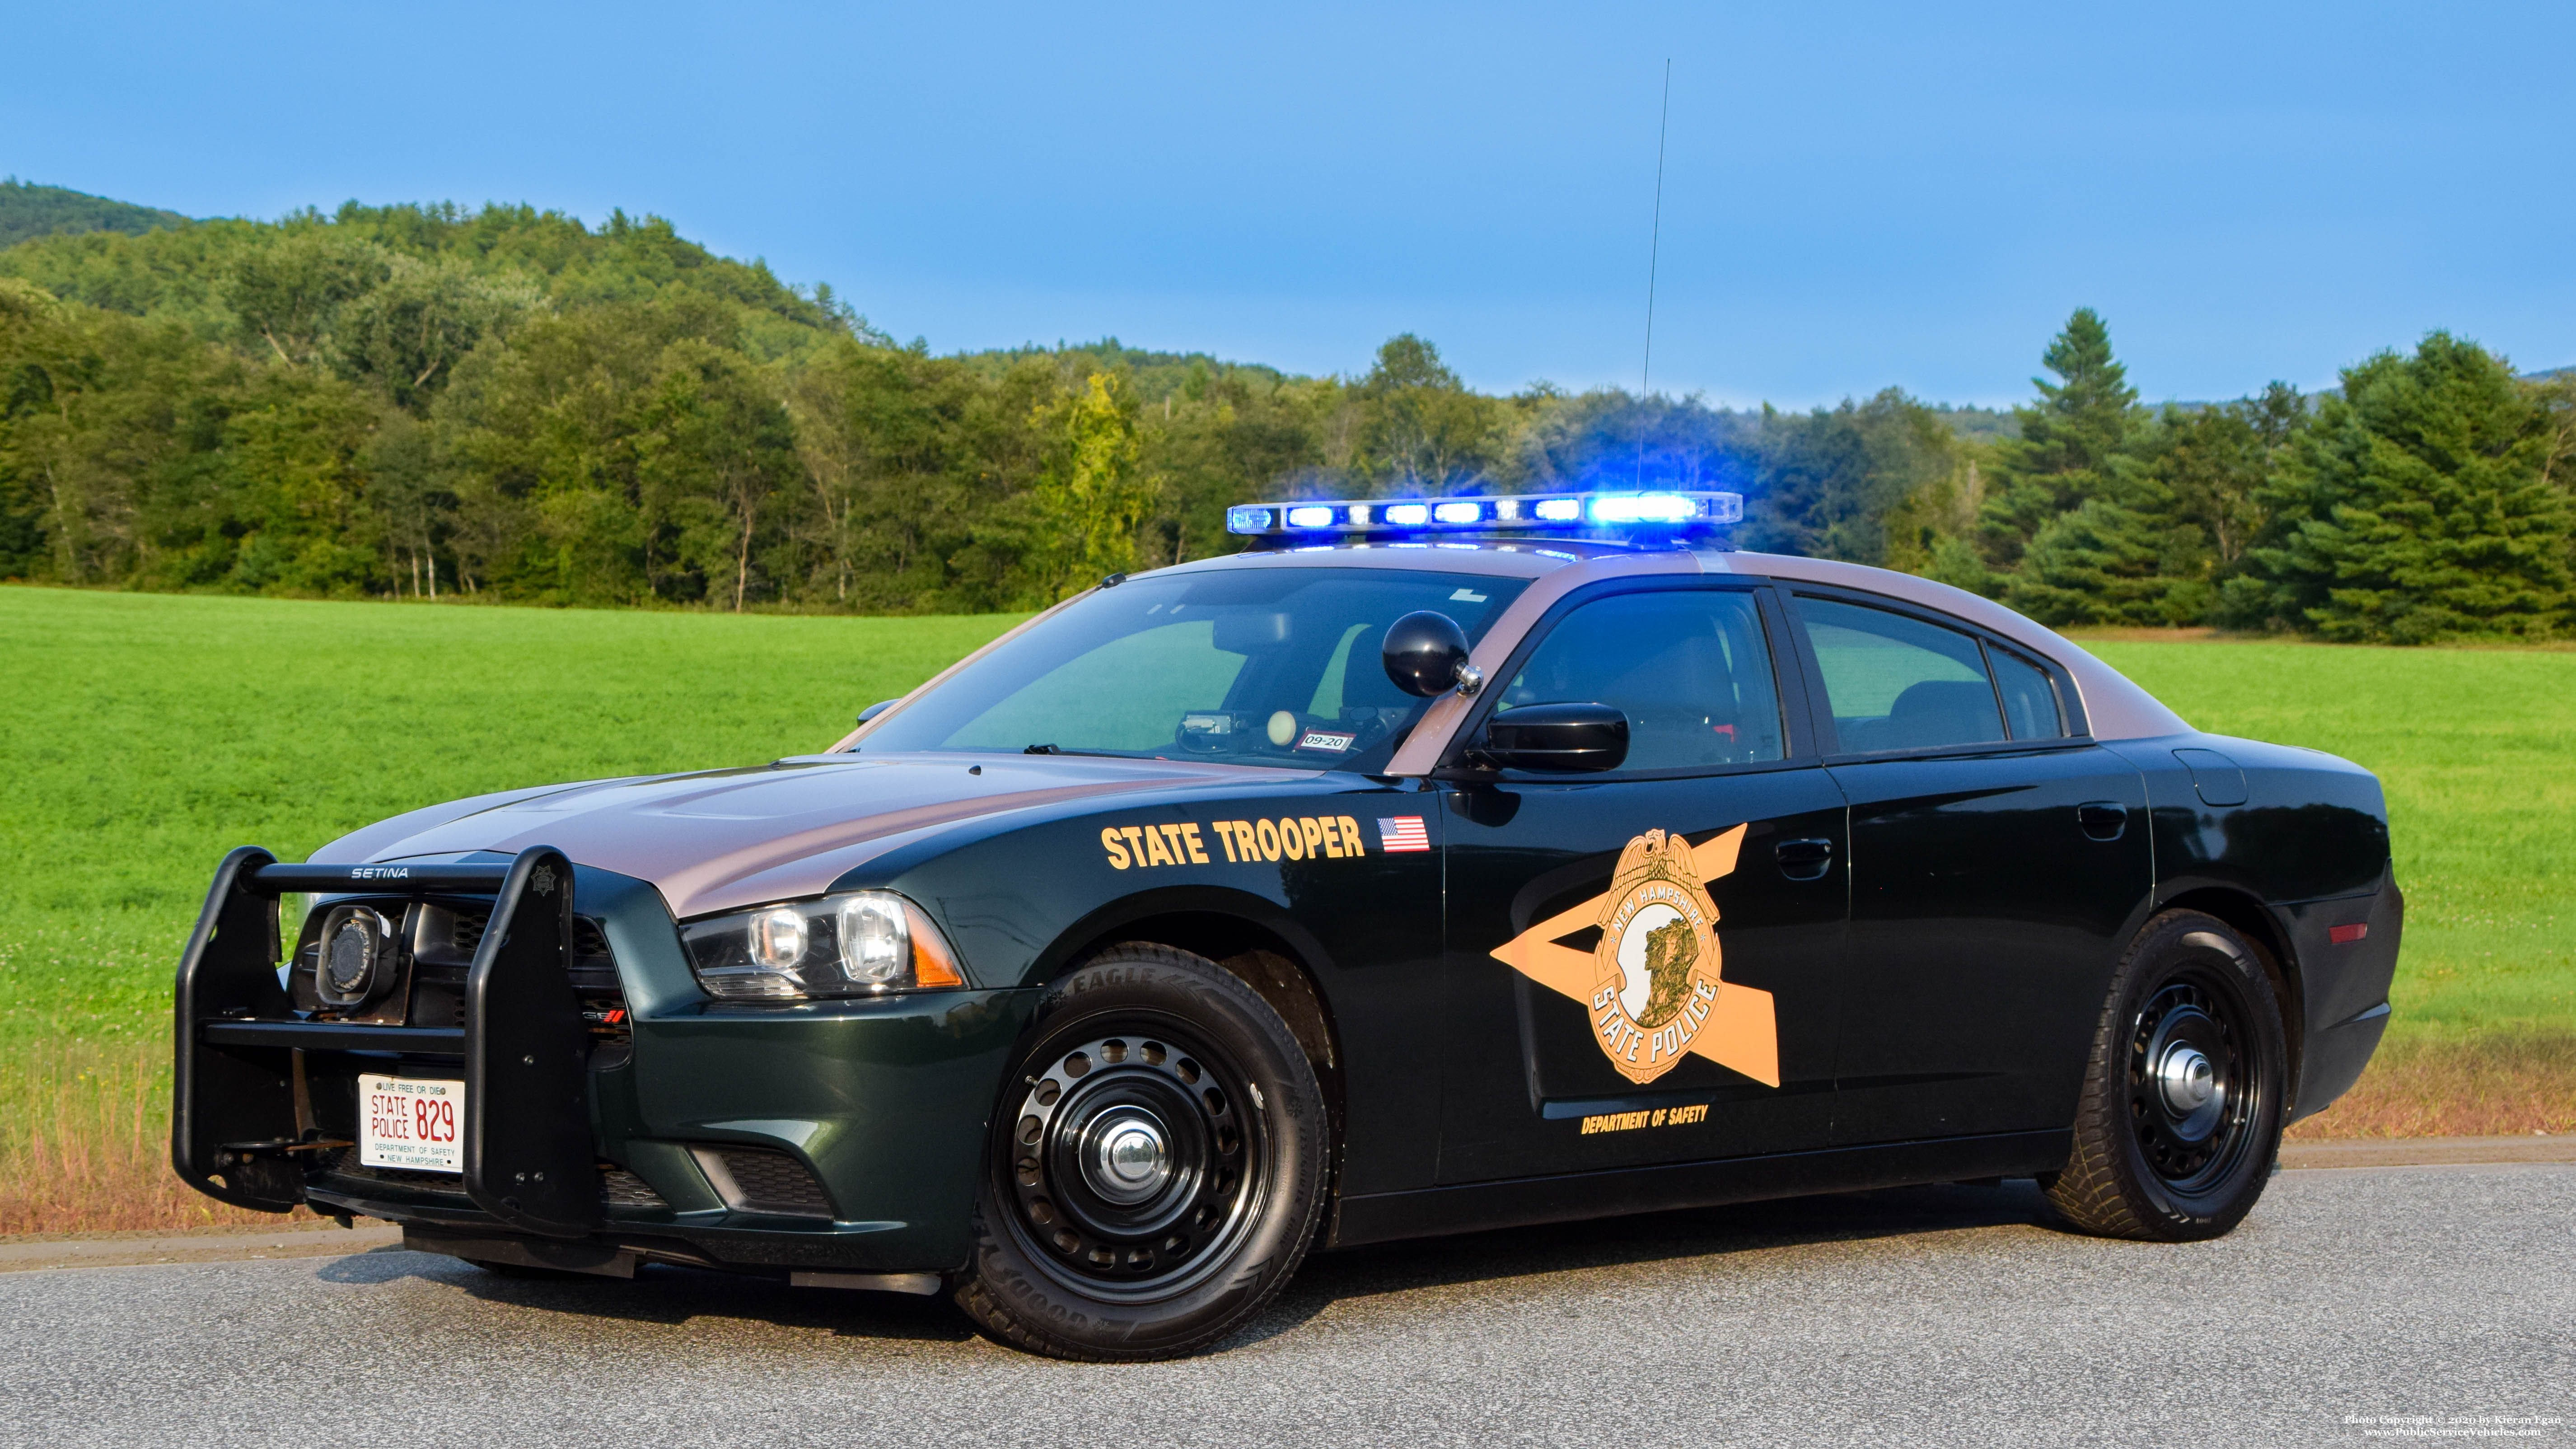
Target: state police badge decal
x,y
1654,984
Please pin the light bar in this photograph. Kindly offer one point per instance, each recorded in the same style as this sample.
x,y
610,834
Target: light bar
x,y
1521,513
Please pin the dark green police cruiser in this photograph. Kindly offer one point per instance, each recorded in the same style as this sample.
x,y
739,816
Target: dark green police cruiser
x,y
1431,865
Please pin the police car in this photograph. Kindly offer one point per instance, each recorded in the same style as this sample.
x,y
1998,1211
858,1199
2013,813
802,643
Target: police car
x,y
1429,865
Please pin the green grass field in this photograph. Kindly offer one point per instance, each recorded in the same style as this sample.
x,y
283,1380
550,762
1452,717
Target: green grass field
x,y
146,734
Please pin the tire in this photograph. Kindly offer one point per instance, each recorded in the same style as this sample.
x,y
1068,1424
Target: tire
x,y
1156,1167
2165,1151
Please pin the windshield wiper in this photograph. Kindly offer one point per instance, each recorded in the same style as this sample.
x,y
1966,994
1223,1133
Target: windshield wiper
x,y
1061,750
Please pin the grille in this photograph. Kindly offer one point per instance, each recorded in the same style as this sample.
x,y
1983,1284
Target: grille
x,y
762,1180
467,934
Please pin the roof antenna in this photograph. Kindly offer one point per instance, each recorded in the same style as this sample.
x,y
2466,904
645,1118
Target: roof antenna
x,y
1654,255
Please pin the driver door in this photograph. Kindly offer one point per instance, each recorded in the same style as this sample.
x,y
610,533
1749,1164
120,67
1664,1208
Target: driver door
x,y
1643,965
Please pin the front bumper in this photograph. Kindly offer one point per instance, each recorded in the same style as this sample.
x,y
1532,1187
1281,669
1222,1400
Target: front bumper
x,y
872,1113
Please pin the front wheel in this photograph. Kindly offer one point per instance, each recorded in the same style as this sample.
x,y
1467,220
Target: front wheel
x,y
1156,1168
2181,1115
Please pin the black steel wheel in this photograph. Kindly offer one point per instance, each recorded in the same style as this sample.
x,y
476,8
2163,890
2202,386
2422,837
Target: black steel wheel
x,y
2184,1098
1156,1167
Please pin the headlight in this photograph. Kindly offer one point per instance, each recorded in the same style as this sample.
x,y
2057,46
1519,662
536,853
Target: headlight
x,y
858,944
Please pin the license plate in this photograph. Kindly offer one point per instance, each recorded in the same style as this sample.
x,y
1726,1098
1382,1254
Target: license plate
x,y
411,1122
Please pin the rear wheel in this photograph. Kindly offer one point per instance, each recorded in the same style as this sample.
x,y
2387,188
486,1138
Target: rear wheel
x,y
2181,1115
1156,1167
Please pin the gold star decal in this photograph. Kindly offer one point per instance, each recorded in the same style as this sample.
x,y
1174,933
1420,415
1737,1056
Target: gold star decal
x,y
1653,986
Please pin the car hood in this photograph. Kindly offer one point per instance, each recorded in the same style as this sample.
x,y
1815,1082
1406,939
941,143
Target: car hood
x,y
724,839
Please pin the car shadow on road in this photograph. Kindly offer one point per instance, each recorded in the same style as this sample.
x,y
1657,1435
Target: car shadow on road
x,y
1331,1277
670,1296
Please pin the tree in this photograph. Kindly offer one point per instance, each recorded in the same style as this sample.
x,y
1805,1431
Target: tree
x,y
92,420
407,334
1827,480
714,453
2214,462
2171,520
904,454
2420,505
288,292
2070,442
1093,495
1611,438
1421,432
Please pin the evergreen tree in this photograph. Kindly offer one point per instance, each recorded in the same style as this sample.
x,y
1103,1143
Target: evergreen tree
x,y
2419,506
2069,440
2174,518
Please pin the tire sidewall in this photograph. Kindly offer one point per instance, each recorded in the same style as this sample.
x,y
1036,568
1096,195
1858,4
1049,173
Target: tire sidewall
x,y
1046,1313
2172,947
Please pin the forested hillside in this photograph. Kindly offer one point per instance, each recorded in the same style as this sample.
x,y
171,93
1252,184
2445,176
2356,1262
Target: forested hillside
x,y
28,210
505,403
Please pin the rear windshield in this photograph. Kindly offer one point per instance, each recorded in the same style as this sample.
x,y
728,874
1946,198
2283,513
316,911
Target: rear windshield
x,y
1274,666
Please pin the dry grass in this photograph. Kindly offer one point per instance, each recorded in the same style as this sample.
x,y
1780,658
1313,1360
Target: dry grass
x,y
86,1146
2439,1085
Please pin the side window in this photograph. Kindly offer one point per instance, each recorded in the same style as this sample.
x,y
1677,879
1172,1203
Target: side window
x,y
1689,667
2030,700
1894,682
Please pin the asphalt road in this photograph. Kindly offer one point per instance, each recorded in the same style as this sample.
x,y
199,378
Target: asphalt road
x,y
1925,1316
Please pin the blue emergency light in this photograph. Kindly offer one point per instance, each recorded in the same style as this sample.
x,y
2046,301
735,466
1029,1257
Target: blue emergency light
x,y
1521,513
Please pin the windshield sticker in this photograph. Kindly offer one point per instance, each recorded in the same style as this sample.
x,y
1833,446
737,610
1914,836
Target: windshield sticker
x,y
1327,741
1653,985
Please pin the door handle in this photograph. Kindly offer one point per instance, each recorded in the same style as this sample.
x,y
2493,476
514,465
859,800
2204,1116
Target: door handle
x,y
2102,819
1805,859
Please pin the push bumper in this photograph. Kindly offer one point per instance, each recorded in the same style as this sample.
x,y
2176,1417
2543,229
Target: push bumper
x,y
881,1106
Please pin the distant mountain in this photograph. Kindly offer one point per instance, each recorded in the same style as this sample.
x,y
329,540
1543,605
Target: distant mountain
x,y
28,210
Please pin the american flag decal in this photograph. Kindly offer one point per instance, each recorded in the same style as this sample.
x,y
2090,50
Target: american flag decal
x,y
1402,832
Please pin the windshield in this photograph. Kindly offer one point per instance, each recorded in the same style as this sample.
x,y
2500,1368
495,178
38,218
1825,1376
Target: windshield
x,y
1271,666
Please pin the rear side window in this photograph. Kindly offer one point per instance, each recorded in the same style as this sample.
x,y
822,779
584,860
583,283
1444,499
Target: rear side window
x,y
1689,667
2030,700
1895,682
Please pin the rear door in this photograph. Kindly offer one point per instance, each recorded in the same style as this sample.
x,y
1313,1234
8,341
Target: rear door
x,y
1999,860
1642,966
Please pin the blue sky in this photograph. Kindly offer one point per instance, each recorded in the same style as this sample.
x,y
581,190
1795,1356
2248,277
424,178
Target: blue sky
x,y
1856,196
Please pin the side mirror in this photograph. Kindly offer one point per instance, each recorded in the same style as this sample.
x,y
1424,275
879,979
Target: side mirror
x,y
1562,737
878,708
1425,653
